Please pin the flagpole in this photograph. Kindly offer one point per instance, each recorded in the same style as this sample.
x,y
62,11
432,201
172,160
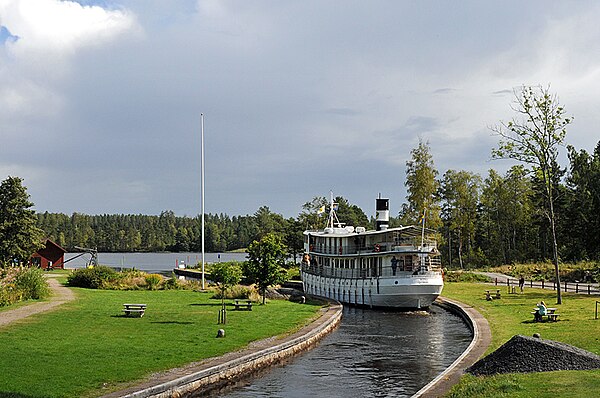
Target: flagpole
x,y
202,189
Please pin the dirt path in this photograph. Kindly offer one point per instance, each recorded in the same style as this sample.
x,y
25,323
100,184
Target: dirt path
x,y
60,295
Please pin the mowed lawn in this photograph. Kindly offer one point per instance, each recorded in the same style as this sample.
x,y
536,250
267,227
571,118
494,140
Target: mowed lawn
x,y
510,316
87,348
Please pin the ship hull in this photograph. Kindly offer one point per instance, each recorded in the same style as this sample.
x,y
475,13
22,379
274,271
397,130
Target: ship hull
x,y
401,292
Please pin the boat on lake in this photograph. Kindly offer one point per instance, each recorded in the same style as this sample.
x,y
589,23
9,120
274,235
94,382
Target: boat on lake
x,y
386,267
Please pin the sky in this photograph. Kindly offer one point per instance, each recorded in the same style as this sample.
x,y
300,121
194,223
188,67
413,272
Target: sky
x,y
101,101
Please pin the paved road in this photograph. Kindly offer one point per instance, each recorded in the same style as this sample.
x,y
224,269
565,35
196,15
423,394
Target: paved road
x,y
60,295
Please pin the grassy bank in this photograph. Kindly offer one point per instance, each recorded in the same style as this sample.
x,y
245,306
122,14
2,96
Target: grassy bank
x,y
86,348
510,316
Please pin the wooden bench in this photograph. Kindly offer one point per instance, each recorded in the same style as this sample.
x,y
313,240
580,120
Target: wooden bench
x,y
489,296
243,305
134,309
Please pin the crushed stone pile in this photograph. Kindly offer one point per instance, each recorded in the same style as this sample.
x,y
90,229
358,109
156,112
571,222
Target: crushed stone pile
x,y
523,354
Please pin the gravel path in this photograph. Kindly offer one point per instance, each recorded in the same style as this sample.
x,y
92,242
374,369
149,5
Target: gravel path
x,y
60,295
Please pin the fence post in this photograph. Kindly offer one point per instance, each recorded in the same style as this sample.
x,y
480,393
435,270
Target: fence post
x,y
496,281
565,286
589,289
542,283
577,288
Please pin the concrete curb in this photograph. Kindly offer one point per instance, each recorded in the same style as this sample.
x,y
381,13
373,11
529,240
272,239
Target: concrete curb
x,y
481,340
207,377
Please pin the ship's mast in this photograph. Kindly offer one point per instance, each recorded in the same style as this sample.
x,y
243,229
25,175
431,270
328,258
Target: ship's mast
x,y
332,220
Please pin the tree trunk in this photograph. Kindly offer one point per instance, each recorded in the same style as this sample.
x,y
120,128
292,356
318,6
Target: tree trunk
x,y
555,250
554,243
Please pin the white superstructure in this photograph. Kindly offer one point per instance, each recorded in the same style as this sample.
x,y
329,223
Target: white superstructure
x,y
386,267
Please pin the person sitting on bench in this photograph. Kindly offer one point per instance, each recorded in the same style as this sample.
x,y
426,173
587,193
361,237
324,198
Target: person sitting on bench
x,y
541,311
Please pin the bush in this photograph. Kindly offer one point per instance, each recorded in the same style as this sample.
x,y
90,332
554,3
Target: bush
x,y
460,276
31,282
237,292
18,284
91,278
172,283
153,280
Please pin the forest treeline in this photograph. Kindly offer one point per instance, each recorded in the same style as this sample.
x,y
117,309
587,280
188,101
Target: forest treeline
x,y
496,219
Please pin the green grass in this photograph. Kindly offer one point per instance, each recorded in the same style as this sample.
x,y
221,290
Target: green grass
x,y
86,348
510,316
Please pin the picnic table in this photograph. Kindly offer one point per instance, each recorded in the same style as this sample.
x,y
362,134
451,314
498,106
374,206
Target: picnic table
x,y
243,305
551,314
134,309
489,296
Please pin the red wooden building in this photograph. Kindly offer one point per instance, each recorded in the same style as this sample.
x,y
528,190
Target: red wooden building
x,y
50,256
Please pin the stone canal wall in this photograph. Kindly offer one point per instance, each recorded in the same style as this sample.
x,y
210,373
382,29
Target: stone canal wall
x,y
219,372
481,340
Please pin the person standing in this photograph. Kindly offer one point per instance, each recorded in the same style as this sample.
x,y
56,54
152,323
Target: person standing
x,y
394,265
521,283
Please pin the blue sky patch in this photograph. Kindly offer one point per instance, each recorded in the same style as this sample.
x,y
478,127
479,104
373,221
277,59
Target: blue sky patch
x,y
5,35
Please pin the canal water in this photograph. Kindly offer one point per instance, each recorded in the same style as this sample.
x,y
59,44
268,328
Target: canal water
x,y
373,353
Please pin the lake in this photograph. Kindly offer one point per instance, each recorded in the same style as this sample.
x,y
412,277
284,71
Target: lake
x,y
153,262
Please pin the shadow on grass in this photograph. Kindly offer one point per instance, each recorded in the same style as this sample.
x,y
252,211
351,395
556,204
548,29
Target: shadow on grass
x,y
206,304
5,394
174,322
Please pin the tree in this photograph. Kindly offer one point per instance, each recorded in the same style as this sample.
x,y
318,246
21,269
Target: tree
x,y
534,139
460,191
265,261
422,188
225,275
19,235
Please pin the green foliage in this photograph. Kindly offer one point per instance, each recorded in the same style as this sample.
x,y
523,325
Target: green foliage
x,y
236,292
31,282
265,262
91,278
225,275
422,188
172,283
19,235
462,276
21,283
153,281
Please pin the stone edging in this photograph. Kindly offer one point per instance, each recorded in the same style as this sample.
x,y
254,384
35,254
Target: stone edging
x,y
239,367
481,340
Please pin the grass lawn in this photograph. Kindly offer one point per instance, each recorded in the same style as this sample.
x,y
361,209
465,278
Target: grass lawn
x,y
510,316
87,348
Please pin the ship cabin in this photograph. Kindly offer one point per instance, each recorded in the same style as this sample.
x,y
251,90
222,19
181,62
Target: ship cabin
x,y
348,252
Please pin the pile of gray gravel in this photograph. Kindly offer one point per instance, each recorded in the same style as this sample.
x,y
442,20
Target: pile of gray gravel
x,y
523,354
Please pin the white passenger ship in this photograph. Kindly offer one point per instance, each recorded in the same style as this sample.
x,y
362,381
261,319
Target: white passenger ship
x,y
387,267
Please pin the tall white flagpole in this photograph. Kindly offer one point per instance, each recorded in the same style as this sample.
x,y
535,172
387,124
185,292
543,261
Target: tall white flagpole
x,y
202,177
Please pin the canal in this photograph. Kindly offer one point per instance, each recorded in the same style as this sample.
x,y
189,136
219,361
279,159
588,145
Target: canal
x,y
374,353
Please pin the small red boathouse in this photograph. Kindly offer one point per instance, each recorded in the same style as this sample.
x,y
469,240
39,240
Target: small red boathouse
x,y
50,256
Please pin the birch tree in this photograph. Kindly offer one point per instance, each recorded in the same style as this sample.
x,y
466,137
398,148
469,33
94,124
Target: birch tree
x,y
533,138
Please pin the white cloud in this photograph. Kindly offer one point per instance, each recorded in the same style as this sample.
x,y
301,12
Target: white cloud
x,y
49,33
